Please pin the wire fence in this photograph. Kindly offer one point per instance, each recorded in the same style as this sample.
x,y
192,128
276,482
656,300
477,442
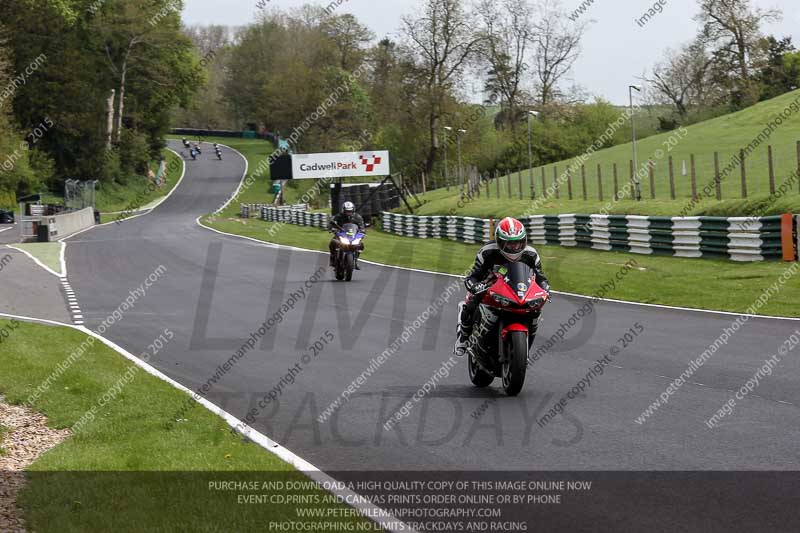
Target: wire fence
x,y
727,174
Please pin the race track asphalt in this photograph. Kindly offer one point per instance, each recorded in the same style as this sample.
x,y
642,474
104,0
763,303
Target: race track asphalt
x,y
216,290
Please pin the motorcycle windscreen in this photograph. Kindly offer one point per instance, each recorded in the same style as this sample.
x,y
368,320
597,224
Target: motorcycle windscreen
x,y
350,229
520,277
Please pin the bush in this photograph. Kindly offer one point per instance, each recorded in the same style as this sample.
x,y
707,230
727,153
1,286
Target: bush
x,y
134,153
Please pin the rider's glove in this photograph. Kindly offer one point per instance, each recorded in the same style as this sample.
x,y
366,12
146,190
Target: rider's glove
x,y
476,287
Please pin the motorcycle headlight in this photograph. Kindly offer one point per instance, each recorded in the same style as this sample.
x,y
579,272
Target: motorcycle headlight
x,y
344,240
502,300
536,302
356,241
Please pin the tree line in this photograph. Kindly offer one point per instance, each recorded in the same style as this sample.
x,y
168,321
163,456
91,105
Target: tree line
x,y
109,75
88,88
400,93
730,64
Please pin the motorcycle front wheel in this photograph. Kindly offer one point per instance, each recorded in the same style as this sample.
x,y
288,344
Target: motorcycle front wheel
x,y
339,270
349,266
516,362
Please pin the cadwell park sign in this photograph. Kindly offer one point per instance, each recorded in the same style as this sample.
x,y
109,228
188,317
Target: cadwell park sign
x,y
331,165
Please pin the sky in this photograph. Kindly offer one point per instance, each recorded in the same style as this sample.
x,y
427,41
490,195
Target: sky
x,y
616,49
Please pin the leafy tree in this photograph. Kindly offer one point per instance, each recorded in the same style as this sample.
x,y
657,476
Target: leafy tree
x,y
442,40
778,74
350,37
733,27
91,48
508,29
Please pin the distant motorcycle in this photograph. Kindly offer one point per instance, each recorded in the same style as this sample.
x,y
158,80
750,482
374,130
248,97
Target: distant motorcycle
x,y
502,337
348,240
219,154
193,153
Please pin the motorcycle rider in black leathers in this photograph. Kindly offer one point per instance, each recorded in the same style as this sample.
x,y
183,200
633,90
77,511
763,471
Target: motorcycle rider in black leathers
x,y
348,215
510,245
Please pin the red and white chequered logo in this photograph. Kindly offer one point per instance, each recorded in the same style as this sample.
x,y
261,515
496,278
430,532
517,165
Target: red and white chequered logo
x,y
370,165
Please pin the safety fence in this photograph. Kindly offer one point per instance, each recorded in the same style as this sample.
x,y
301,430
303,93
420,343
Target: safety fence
x,y
737,239
298,217
464,229
254,210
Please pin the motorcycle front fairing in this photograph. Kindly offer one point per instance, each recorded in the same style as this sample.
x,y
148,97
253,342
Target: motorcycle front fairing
x,y
516,299
348,238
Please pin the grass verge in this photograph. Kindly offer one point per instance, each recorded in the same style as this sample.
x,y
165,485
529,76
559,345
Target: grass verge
x,y
697,283
48,253
113,198
442,202
128,469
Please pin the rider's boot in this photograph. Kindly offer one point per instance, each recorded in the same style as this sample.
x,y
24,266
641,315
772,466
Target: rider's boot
x,y
463,334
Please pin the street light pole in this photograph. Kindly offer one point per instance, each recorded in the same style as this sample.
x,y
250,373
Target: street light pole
x,y
530,153
637,185
446,173
460,173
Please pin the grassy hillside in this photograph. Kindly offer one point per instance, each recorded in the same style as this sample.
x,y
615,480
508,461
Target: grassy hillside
x,y
725,135
113,197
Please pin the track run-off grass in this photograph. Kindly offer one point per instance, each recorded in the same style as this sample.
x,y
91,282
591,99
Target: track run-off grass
x,y
115,198
133,468
48,253
695,283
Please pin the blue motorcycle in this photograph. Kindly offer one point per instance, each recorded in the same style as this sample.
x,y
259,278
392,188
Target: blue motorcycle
x,y
348,246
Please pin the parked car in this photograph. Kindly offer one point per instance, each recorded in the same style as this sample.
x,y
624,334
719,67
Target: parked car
x,y
6,217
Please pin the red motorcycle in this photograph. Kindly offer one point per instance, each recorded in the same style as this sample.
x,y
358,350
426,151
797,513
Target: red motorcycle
x,y
505,329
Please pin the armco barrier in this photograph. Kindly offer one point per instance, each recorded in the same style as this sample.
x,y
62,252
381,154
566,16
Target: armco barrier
x,y
60,226
738,239
293,216
463,229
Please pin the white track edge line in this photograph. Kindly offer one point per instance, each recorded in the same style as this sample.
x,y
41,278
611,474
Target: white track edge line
x,y
659,306
45,267
241,183
376,514
142,212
